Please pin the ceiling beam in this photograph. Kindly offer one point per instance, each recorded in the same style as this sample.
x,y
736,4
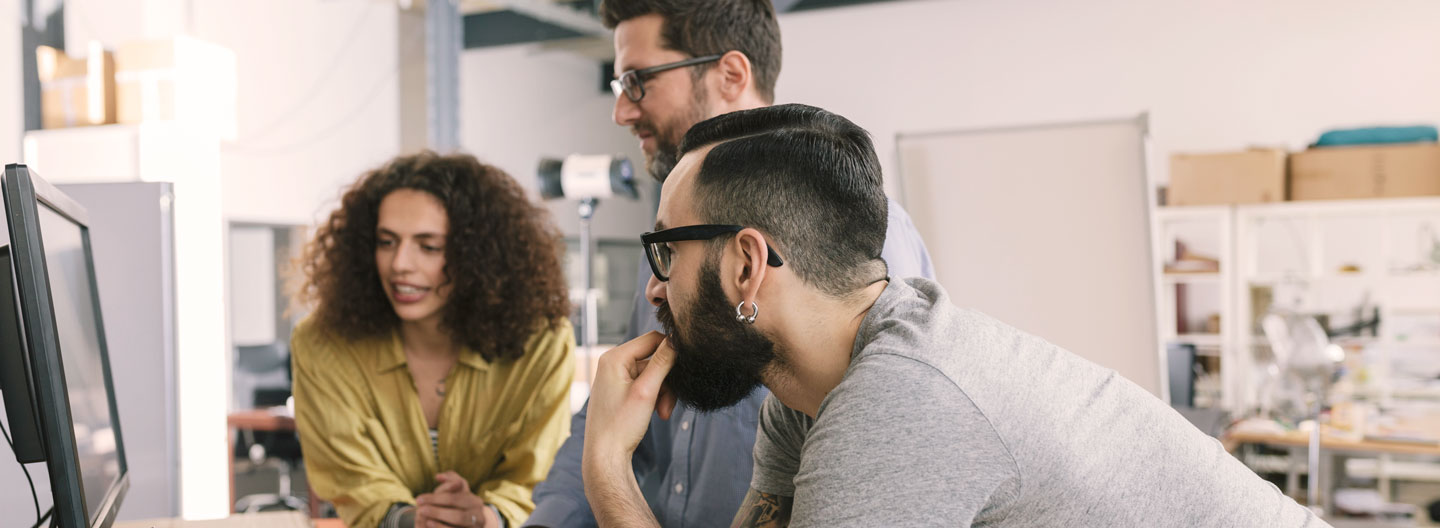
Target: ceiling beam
x,y
782,6
542,10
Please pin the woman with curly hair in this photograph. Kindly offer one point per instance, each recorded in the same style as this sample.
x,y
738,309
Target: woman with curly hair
x,y
432,379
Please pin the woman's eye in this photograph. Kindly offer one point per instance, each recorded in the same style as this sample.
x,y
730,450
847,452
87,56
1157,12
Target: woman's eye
x,y
432,249
385,243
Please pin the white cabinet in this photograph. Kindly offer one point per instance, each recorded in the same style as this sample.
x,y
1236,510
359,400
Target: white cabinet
x,y
131,234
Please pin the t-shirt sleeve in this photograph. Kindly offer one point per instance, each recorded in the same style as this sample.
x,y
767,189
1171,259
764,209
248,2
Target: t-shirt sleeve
x,y
778,440
899,444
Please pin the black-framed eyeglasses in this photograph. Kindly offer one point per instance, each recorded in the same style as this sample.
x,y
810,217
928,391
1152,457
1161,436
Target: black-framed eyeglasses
x,y
659,254
632,83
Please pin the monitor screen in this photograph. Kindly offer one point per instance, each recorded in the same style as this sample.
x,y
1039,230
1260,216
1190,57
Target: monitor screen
x,y
64,333
72,295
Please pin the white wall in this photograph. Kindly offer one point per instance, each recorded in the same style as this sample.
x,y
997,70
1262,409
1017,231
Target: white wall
x,y
318,96
318,100
520,103
1213,75
108,21
12,91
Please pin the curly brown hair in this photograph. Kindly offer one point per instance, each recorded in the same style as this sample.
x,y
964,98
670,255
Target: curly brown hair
x,y
502,257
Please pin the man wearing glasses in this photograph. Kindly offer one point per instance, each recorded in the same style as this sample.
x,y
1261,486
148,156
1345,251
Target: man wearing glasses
x,y
890,406
679,62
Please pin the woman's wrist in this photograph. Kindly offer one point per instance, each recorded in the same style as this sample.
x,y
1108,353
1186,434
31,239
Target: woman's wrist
x,y
407,517
400,515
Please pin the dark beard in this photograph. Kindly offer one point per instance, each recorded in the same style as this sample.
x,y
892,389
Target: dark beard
x,y
667,146
718,360
663,162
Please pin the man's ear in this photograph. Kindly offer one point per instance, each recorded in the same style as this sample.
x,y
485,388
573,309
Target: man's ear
x,y
734,75
750,252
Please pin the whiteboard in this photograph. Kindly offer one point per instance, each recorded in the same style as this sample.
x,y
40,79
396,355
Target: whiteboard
x,y
1046,228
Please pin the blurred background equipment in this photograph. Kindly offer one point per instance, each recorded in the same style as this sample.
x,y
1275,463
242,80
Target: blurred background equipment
x,y
587,178
1304,352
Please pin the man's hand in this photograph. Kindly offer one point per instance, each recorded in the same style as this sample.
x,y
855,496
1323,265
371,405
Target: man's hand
x,y
627,389
452,505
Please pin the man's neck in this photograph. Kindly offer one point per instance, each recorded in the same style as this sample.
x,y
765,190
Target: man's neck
x,y
425,339
817,343
749,101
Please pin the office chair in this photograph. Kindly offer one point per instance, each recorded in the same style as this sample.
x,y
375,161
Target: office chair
x,y
265,371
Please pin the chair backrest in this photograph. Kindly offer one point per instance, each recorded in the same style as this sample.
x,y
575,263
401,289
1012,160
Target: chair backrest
x,y
1180,362
262,359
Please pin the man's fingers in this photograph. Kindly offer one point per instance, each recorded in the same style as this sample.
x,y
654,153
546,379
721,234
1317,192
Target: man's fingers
x,y
666,404
656,368
634,350
664,354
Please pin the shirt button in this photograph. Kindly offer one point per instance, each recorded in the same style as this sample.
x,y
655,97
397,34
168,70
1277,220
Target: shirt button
x,y
685,425
680,488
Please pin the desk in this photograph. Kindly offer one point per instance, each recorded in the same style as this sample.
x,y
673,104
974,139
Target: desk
x,y
260,420
1331,446
284,519
1330,442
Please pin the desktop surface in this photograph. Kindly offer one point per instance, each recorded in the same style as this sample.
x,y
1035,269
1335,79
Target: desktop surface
x,y
280,519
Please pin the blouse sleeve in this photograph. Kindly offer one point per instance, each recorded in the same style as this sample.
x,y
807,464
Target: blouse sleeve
x,y
342,452
529,454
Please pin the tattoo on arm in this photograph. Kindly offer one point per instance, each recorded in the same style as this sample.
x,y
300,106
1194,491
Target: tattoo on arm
x,y
761,509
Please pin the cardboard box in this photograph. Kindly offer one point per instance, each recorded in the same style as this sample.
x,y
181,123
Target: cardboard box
x,y
1249,176
177,79
76,91
1378,171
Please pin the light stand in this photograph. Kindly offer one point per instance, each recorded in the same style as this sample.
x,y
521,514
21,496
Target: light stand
x,y
588,179
589,319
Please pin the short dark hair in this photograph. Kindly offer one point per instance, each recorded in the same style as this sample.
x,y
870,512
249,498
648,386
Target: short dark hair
x,y
806,177
712,27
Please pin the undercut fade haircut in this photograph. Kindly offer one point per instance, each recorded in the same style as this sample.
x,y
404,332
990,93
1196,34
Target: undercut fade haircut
x,y
807,178
712,27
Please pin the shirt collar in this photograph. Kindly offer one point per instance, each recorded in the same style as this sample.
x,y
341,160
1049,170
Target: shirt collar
x,y
472,359
394,357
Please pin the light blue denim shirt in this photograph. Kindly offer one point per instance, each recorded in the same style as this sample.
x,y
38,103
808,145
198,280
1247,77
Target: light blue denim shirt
x,y
694,469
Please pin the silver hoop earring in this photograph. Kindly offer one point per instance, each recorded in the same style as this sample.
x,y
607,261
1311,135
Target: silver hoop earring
x,y
747,319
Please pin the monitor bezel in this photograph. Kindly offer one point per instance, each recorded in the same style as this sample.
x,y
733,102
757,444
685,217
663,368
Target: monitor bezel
x,y
23,192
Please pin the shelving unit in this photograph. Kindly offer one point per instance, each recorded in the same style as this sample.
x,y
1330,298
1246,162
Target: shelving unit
x,y
1208,231
1313,257
1331,258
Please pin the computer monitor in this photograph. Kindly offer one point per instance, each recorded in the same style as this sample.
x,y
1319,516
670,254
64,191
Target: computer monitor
x,y
62,332
15,377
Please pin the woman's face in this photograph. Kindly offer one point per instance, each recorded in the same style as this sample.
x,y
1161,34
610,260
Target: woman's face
x,y
410,254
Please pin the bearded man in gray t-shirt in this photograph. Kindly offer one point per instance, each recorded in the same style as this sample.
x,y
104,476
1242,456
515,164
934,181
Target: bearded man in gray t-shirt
x,y
889,405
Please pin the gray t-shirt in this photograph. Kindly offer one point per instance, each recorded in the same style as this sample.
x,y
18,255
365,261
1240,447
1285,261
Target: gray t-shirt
x,y
947,417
